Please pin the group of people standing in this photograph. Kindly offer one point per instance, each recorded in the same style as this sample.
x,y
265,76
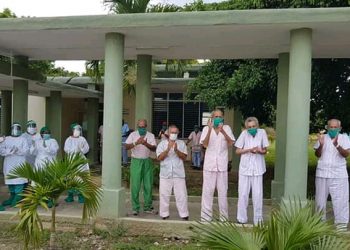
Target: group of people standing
x,y
216,138
37,149
331,175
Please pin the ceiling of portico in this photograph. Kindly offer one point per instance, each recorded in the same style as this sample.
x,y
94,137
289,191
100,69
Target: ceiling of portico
x,y
221,35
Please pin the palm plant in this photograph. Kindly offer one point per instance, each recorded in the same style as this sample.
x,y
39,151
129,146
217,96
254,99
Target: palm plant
x,y
51,182
292,226
127,6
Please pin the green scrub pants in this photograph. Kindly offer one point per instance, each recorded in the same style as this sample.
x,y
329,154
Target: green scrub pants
x,y
141,171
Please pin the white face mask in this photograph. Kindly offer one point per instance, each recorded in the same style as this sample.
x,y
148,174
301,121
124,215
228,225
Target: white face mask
x,y
31,130
173,137
76,133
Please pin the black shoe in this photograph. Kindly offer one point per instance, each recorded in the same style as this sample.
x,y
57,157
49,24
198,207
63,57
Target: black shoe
x,y
135,213
165,218
185,218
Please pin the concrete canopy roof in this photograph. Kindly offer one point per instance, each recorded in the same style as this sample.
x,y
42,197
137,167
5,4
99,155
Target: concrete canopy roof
x,y
181,35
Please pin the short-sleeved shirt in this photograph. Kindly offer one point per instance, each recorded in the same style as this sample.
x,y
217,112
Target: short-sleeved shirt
x,y
172,166
332,164
140,151
252,164
216,154
195,141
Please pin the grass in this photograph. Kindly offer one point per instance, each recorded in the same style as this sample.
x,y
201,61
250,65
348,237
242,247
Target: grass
x,y
115,237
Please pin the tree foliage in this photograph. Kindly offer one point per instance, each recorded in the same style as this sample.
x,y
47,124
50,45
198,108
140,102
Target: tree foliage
x,y
251,84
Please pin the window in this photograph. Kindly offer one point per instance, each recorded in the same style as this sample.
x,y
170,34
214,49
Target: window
x,y
171,108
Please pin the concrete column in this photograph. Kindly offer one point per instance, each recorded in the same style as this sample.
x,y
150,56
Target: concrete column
x,y
20,102
92,127
143,89
113,200
237,127
54,116
277,185
6,111
20,95
298,111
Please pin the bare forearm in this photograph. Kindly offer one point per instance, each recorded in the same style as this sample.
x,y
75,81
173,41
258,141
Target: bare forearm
x,y
345,153
129,146
181,155
318,151
163,155
228,139
241,151
150,147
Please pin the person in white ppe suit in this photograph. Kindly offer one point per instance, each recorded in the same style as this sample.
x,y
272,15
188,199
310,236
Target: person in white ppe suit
x,y
251,146
14,149
31,136
332,149
171,153
76,143
45,149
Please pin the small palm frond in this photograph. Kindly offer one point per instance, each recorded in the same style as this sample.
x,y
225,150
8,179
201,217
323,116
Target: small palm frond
x,y
26,171
295,226
226,235
330,242
30,226
127,6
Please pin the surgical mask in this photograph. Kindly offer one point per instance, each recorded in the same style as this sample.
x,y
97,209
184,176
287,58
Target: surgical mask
x,y
173,137
142,131
218,121
252,131
333,132
76,133
31,130
46,137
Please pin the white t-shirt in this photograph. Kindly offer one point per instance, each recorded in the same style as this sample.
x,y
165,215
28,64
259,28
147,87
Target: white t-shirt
x,y
252,164
195,141
172,166
216,154
332,164
140,151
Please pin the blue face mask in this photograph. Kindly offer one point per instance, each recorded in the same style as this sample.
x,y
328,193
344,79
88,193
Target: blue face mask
x,y
333,132
46,137
252,131
217,121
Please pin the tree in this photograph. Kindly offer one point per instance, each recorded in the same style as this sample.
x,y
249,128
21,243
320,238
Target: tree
x,y
252,84
51,181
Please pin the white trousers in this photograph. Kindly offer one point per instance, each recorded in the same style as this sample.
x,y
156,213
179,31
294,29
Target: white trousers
x,y
245,184
211,180
338,188
165,189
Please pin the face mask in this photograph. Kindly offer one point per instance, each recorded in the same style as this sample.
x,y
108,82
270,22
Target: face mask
x,y
218,121
76,133
252,131
142,131
46,137
333,132
173,137
31,130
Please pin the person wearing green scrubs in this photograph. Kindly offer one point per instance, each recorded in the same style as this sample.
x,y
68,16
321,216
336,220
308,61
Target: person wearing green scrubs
x,y
141,143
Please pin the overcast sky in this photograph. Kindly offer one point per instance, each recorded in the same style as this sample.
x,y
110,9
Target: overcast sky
x,y
46,8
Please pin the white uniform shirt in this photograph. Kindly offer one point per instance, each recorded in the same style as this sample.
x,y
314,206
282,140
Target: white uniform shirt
x,y
140,151
332,164
31,139
172,166
216,154
77,145
252,164
195,141
44,154
14,149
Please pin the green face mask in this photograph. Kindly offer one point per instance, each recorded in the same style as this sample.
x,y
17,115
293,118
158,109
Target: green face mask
x,y
252,131
217,121
142,131
333,132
